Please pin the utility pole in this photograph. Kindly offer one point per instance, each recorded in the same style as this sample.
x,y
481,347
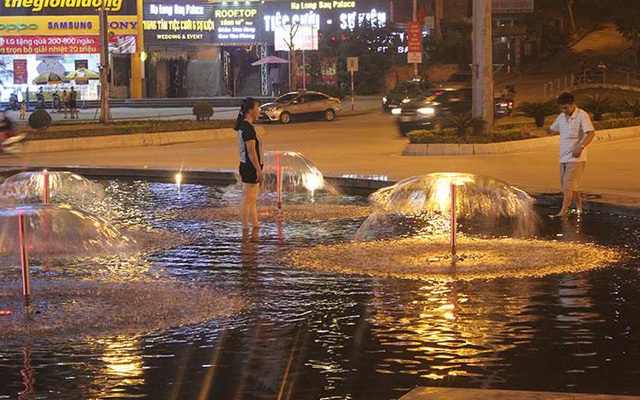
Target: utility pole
x,y
572,23
437,12
415,19
105,113
482,107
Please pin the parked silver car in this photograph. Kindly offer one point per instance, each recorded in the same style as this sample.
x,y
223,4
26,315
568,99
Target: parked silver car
x,y
305,104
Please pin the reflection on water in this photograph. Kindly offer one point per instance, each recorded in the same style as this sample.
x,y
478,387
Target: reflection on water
x,y
312,335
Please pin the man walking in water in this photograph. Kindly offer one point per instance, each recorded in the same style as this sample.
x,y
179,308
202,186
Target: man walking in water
x,y
576,132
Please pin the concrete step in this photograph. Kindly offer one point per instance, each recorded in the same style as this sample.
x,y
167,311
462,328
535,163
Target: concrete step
x,y
431,393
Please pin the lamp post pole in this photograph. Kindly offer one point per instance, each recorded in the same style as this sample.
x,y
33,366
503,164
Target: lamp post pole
x,y
105,113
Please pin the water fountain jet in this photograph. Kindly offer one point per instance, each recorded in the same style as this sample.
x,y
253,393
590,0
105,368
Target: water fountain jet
x,y
419,226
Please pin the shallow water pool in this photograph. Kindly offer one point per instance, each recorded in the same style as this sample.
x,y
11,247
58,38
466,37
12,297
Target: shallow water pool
x,y
310,335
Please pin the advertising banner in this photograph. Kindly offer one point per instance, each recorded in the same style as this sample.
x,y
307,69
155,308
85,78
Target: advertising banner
x,y
326,16
69,25
512,6
81,64
303,37
19,72
122,44
166,23
212,23
329,70
414,42
81,44
30,8
237,25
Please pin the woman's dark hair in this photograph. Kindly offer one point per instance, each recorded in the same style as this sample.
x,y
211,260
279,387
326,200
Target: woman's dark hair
x,y
566,98
247,104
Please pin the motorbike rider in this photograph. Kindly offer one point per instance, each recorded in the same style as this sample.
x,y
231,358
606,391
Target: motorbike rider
x,y
56,103
40,98
14,104
509,93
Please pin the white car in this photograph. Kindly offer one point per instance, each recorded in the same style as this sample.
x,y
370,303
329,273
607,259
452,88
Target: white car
x,y
306,104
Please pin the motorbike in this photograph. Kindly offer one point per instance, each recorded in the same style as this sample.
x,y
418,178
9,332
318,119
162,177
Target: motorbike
x,y
11,142
14,104
40,100
56,103
505,104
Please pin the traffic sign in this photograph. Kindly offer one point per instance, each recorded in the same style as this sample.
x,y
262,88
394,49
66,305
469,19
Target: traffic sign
x,y
352,64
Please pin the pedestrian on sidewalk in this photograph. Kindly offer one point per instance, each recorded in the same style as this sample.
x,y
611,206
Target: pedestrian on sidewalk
x,y
73,98
576,132
23,109
65,103
602,70
250,162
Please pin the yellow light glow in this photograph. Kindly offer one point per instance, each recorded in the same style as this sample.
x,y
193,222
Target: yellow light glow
x,y
442,192
178,178
312,181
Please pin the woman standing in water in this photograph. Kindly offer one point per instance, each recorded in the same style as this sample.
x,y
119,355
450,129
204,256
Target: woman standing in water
x,y
250,161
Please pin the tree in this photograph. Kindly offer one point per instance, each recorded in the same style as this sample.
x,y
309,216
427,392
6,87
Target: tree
x,y
627,19
599,105
289,41
455,46
376,48
538,110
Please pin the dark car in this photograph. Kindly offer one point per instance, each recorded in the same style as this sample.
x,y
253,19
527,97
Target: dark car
x,y
458,80
402,94
427,110
306,104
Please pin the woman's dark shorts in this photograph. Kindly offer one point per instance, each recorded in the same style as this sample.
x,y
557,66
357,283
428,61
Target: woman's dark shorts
x,y
248,173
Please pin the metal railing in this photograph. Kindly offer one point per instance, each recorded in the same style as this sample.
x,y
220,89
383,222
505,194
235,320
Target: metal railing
x,y
584,79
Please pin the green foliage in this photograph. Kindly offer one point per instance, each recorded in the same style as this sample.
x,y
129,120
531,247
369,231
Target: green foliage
x,y
450,136
455,48
376,49
598,105
83,129
40,119
461,123
633,106
626,16
538,110
203,111
616,123
503,133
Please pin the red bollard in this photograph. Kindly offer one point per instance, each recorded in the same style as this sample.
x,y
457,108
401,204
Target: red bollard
x,y
279,177
45,186
24,257
453,221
